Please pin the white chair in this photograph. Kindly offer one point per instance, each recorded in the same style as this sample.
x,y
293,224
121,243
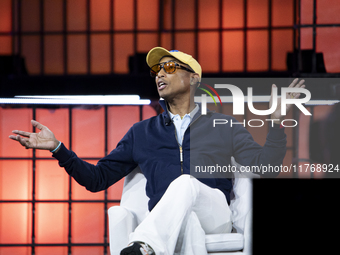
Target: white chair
x,y
133,209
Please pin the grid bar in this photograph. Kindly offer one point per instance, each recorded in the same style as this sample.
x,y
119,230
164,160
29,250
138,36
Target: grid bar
x,y
105,192
245,39
33,188
69,234
155,31
314,38
270,10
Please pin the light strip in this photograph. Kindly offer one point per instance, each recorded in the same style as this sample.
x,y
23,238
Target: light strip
x,y
77,100
84,97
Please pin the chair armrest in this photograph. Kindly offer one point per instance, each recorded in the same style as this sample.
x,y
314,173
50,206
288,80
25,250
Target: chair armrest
x,y
248,232
121,224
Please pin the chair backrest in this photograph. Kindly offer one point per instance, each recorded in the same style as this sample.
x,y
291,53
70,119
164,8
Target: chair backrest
x,y
242,202
134,196
135,200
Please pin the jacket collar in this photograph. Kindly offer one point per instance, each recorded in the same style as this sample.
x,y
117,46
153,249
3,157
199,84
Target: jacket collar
x,y
166,115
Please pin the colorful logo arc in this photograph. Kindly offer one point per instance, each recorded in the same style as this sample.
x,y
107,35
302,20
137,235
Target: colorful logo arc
x,y
209,93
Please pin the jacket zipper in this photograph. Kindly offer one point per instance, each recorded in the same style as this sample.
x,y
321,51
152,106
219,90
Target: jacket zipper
x,y
180,150
180,146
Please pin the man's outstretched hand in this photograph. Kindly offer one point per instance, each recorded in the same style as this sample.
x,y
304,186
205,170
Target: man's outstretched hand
x,y
277,113
44,140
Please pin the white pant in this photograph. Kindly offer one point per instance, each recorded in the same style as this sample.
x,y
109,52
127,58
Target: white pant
x,y
187,211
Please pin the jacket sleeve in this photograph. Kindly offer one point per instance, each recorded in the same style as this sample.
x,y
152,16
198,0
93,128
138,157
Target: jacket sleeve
x,y
108,170
249,153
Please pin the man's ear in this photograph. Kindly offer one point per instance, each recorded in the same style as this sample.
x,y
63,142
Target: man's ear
x,y
195,80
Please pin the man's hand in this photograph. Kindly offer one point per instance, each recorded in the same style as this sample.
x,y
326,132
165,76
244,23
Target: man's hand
x,y
44,140
277,113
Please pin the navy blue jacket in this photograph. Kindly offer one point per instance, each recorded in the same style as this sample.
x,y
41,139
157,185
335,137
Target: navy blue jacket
x,y
152,144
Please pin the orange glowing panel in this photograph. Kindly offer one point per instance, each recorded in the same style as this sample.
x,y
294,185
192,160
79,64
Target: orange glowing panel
x,y
328,11
15,250
16,179
232,58
185,42
6,45
147,14
167,14
166,41
5,16
88,132
123,48
100,54
57,121
87,250
51,222
88,222
53,54
257,11
327,41
306,38
53,15
146,42
306,12
100,15
120,120
30,18
76,15
51,180
282,12
81,193
123,14
208,51
257,47
115,191
50,250
282,43
148,112
14,119
76,54
15,222
31,53
232,14
208,14
184,14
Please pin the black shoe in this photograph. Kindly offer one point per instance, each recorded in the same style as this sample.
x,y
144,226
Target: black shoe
x,y
137,249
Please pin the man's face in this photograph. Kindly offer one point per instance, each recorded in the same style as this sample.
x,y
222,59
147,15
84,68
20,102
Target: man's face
x,y
173,85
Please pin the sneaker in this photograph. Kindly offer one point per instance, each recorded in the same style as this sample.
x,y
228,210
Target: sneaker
x,y
137,248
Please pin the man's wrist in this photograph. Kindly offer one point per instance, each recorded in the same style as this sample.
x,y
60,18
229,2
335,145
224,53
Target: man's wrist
x,y
56,149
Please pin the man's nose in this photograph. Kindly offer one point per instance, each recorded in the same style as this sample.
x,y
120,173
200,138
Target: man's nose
x,y
161,73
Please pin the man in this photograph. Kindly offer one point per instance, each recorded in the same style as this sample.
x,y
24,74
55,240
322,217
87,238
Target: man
x,y
182,208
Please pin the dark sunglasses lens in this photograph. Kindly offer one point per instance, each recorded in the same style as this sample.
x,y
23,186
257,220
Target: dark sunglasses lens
x,y
169,67
154,70
152,73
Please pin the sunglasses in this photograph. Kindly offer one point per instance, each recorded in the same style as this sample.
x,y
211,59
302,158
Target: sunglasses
x,y
169,67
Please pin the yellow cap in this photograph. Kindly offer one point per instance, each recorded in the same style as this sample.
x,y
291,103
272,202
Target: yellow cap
x,y
155,55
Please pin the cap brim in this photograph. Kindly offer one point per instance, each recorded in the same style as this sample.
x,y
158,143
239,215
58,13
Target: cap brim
x,y
155,55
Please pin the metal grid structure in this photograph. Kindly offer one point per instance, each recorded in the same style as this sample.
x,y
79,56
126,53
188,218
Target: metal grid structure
x,y
162,29
70,201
